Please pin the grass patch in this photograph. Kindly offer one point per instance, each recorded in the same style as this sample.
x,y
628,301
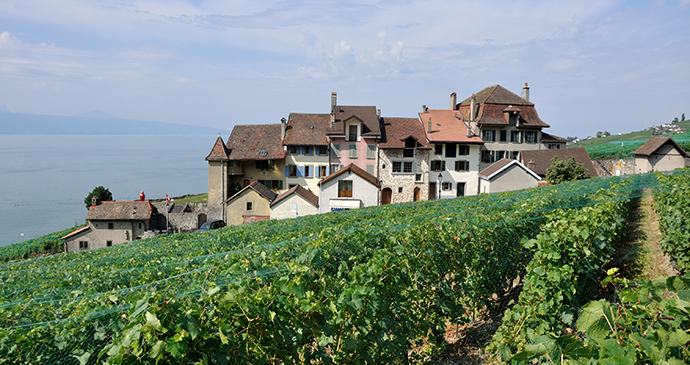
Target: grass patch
x,y
199,198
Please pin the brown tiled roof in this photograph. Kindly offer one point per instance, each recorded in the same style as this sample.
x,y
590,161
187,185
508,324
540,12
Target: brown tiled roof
x,y
77,232
299,190
366,114
396,130
307,129
255,142
354,169
542,159
219,152
494,101
654,143
546,137
501,165
260,188
446,126
120,211
496,94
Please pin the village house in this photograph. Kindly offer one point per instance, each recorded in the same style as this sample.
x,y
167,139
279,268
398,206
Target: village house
x,y
251,204
348,188
353,134
307,149
659,154
507,175
112,223
295,202
455,155
540,161
403,161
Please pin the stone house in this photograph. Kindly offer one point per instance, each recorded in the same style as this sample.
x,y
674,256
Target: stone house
x,y
348,188
306,145
659,154
540,161
507,175
454,160
353,134
403,161
297,201
112,223
251,204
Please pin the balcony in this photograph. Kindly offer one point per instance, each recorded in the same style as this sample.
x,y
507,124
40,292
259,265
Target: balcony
x,y
235,170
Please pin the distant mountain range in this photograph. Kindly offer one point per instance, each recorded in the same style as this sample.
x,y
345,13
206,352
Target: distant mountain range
x,y
93,122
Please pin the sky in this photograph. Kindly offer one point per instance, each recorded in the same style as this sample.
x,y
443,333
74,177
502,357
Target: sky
x,y
591,66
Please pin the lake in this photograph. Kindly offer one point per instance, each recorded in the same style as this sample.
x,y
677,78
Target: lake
x,y
45,178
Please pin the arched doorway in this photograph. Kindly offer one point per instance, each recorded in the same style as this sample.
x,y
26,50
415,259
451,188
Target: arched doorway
x,y
386,196
417,194
201,220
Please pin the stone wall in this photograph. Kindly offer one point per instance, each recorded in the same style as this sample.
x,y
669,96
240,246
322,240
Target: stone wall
x,y
185,221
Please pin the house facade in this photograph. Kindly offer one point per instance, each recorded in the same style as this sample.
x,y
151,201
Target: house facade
x,y
306,145
507,175
295,202
659,154
403,161
251,204
348,188
453,160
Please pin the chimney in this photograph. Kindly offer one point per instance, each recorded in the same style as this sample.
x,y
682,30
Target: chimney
x,y
378,113
531,165
473,105
425,109
95,201
429,125
525,92
334,101
453,101
283,127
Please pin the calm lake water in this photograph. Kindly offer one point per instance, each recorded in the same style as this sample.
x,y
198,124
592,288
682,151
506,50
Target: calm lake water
x,y
45,178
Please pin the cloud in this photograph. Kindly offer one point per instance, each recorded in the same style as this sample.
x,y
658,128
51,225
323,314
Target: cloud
x,y
7,39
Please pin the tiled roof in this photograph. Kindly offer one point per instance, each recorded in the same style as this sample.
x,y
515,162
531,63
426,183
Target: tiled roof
x,y
77,232
542,159
260,188
354,169
494,101
120,211
496,94
397,130
255,142
501,165
654,143
545,137
219,152
307,129
446,126
299,190
366,114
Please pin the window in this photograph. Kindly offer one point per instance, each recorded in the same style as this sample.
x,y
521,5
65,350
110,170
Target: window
x,y
308,150
408,152
397,166
308,171
335,149
108,243
352,133
418,177
292,150
463,150
322,171
487,156
370,168
531,136
335,167
321,150
407,167
400,190
345,188
515,155
410,144
503,136
264,165
291,170
438,149
83,245
554,146
489,135
352,149
250,205
500,154
371,151
515,137
438,166
451,150
446,185
111,226
462,166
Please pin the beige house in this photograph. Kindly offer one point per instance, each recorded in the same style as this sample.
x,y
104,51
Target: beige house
x,y
251,204
348,188
507,175
659,154
295,202
112,223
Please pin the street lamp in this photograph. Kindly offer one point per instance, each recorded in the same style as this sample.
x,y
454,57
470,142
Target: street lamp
x,y
440,183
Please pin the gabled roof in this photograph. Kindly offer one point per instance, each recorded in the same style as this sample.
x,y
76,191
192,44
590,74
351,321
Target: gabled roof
x,y
654,143
259,188
351,168
307,129
219,152
299,190
493,102
447,126
546,137
501,165
255,142
77,232
366,114
542,159
396,130
496,94
120,211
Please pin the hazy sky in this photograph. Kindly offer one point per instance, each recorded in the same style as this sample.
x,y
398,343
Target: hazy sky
x,y
591,65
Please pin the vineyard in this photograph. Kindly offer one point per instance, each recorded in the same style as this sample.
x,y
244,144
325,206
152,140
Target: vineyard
x,y
624,149
373,285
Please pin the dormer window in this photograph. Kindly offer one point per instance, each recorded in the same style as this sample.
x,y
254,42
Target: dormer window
x,y
352,133
410,144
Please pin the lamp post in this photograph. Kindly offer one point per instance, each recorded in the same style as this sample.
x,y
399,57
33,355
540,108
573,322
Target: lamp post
x,y
440,183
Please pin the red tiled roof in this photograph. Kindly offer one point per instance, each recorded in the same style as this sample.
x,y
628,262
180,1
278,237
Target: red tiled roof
x,y
219,152
366,114
494,101
496,94
542,159
397,130
546,137
255,142
654,143
299,190
120,211
307,129
446,126
260,189
77,232
354,169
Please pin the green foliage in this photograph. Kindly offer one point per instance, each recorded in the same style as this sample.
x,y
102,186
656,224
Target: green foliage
x,y
100,193
45,245
567,170
672,201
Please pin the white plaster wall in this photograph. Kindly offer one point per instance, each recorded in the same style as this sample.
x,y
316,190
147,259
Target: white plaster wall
x,y
513,178
310,183
362,190
283,209
470,178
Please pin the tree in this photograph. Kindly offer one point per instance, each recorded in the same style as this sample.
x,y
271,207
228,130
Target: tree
x,y
606,133
675,120
599,134
100,193
682,117
566,170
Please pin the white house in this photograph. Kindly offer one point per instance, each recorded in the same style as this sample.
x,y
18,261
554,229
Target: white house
x,y
297,201
507,175
659,154
348,188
